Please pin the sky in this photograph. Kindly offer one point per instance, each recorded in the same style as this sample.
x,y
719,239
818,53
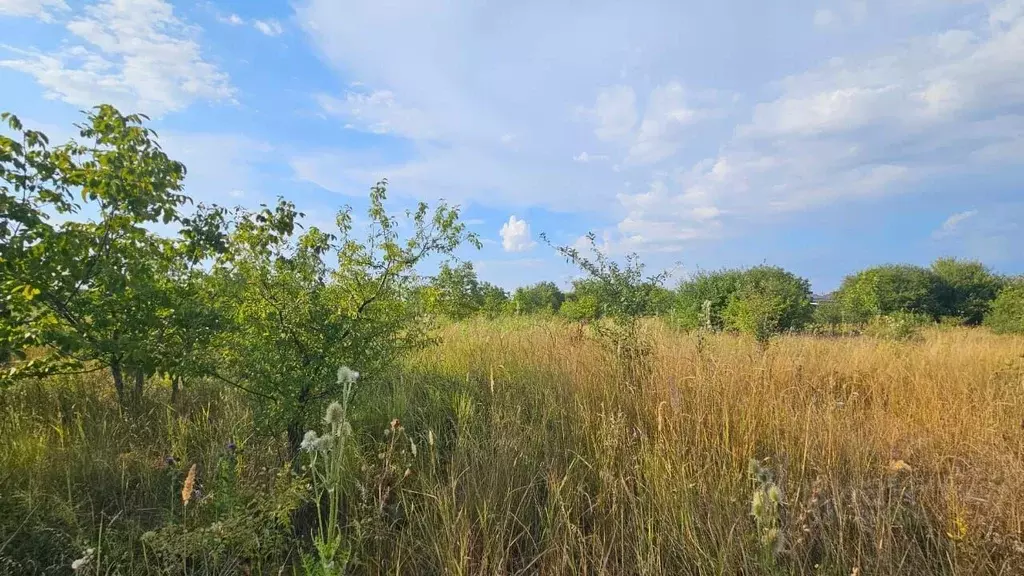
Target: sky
x,y
821,136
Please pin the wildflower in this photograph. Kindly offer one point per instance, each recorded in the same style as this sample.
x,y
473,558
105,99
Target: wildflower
x,y
774,494
309,441
188,488
757,504
170,461
335,414
83,561
231,446
347,375
412,447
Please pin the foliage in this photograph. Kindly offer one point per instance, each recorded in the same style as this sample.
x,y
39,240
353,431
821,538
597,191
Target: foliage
x,y
494,300
539,298
769,300
581,307
623,296
456,292
883,290
897,326
1006,315
107,292
292,318
968,288
716,287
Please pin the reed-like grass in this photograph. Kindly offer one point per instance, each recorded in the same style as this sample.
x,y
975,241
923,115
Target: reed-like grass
x,y
535,457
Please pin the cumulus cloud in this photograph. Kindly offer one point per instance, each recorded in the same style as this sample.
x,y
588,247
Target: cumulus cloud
x,y
135,54
515,235
860,126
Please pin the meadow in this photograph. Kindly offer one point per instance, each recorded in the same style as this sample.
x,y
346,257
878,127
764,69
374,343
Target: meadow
x,y
523,446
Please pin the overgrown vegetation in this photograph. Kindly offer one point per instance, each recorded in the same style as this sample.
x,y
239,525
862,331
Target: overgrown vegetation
x,y
201,390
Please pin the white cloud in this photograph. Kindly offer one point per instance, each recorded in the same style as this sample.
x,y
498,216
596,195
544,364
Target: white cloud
x,y
824,17
269,27
614,113
136,55
586,158
231,19
515,235
380,113
222,167
41,9
951,225
859,126
666,114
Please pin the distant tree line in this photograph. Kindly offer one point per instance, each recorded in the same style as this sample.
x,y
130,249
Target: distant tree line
x,y
762,300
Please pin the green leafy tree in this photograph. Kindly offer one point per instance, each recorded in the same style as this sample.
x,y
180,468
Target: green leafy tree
x,y
1006,315
769,300
93,292
293,319
884,290
540,298
456,291
716,287
494,299
623,295
968,288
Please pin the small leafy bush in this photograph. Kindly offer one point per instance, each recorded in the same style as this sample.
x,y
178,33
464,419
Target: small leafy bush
x,y
1007,313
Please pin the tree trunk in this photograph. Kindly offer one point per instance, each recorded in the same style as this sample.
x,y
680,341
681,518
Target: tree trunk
x,y
175,389
115,370
295,434
140,381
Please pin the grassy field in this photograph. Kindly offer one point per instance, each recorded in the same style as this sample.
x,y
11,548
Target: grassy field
x,y
521,448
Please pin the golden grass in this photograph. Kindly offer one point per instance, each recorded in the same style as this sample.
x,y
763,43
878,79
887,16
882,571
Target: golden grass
x,y
534,457
893,457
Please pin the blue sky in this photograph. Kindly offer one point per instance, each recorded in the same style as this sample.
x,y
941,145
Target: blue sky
x,y
819,136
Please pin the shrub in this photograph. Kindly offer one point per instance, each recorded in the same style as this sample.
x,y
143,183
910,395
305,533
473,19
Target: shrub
x,y
716,287
897,326
770,300
1006,315
540,298
968,288
888,289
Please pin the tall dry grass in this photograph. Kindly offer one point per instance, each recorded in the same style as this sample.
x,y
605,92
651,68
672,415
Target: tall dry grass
x,y
534,457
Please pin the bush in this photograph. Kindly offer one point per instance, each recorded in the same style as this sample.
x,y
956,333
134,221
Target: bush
x,y
770,300
885,290
715,287
1006,315
968,288
540,298
897,326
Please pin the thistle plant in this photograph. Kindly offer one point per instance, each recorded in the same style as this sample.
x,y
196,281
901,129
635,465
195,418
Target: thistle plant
x,y
327,467
766,508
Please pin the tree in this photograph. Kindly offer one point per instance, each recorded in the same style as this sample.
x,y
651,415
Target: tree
x,y
769,300
540,298
623,296
495,300
292,319
93,292
892,288
715,287
456,291
1006,315
968,290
